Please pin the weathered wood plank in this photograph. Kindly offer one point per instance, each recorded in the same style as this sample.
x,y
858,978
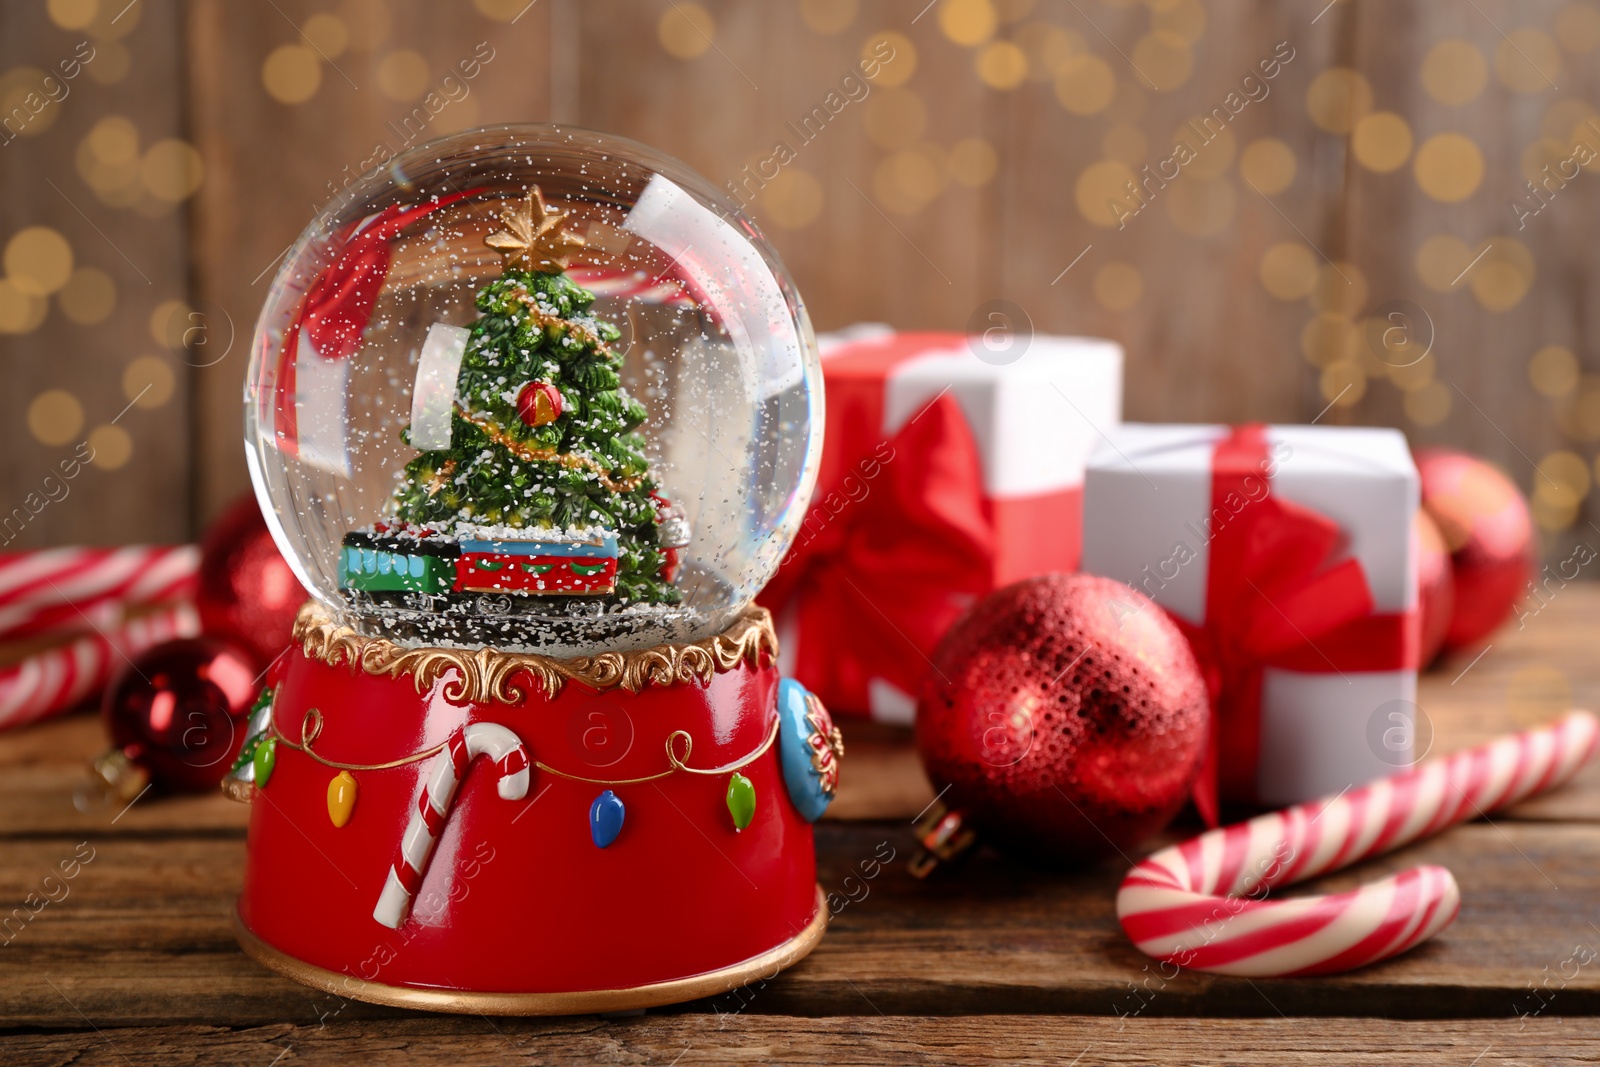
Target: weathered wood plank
x,y
992,1039
142,937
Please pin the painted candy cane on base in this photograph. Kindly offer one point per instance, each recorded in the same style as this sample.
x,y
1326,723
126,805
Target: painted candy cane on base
x,y
433,808
1196,904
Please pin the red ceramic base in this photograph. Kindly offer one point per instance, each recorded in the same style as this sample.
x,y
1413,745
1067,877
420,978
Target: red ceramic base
x,y
518,910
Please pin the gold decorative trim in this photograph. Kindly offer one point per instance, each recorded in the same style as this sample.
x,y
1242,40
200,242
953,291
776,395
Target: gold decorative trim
x,y
488,674
529,454
580,1002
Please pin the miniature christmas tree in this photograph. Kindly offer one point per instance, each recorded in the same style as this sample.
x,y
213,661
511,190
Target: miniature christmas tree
x,y
544,442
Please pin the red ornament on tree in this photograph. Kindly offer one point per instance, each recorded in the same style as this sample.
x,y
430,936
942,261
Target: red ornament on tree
x,y
1068,718
1487,526
176,716
248,594
539,403
1436,587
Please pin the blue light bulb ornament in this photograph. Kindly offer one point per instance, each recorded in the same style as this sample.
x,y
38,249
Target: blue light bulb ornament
x,y
605,818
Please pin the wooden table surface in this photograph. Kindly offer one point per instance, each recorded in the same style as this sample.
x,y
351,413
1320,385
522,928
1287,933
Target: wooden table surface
x,y
992,963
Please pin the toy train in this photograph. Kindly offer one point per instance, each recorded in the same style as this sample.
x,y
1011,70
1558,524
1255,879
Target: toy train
x,y
417,569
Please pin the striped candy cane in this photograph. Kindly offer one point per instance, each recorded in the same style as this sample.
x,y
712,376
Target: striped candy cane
x,y
57,679
52,589
1198,904
433,808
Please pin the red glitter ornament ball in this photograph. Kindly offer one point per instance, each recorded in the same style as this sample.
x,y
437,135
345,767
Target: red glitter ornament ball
x,y
248,594
1436,587
539,403
1067,716
1489,530
178,711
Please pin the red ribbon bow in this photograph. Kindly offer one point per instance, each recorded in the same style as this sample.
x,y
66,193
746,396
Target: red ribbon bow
x,y
888,558
1277,595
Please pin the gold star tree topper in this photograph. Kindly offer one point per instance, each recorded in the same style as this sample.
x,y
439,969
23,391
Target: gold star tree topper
x,y
535,236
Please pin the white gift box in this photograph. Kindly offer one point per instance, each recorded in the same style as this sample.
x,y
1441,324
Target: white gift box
x,y
1149,520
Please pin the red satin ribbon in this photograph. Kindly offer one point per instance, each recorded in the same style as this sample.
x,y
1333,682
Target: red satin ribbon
x,y
1277,595
335,311
893,552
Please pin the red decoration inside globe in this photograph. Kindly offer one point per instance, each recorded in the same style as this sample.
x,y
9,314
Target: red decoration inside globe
x,y
248,594
178,711
1489,530
539,403
1067,716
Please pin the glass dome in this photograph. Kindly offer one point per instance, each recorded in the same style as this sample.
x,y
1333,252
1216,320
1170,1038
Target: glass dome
x,y
533,387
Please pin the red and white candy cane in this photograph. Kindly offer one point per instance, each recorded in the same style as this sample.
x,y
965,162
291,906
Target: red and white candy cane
x,y
71,588
433,808
1197,904
57,679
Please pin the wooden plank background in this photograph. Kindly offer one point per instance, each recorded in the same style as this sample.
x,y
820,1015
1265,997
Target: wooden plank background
x,y
965,174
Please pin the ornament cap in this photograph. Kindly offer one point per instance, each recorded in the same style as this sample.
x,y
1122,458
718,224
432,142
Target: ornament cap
x,y
118,775
943,836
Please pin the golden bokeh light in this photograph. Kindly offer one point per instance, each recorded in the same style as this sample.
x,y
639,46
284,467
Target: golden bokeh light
x,y
973,162
1124,141
1412,375
894,118
171,170
1214,147
72,14
403,75
1118,286
1268,164
1504,275
1328,338
827,16
1289,270
329,35
1047,47
368,20
792,200
1180,22
1343,383
1563,118
967,22
1100,187
1454,71
1429,405
114,139
1449,167
112,62
907,181
112,447
169,321
1002,65
1013,10
1337,98
1381,141
1578,28
686,30
1440,261
20,312
148,382
902,63
1201,207
1084,84
1527,61
291,74
1340,288
1167,64
1563,476
38,260
55,417
22,88
89,296
1546,153
501,10
1578,413
1554,371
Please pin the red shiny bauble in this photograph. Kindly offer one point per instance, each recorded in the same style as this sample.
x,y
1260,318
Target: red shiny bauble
x,y
1436,587
539,403
1067,716
178,711
1489,530
248,594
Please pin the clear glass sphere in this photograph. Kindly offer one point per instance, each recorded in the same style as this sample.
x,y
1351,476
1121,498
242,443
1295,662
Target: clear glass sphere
x,y
533,387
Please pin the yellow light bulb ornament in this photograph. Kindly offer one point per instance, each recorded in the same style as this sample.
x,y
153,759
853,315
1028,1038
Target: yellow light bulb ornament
x,y
341,797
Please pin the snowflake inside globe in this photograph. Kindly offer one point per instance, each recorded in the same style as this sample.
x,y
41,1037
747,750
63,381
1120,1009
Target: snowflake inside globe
x,y
536,388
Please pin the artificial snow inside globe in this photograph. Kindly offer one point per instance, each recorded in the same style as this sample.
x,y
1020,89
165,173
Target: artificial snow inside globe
x,y
534,412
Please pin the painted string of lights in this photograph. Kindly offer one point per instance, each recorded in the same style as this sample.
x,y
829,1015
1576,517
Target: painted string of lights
x,y
258,757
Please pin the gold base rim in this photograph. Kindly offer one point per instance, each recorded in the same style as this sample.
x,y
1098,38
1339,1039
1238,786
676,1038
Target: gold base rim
x,y
581,1002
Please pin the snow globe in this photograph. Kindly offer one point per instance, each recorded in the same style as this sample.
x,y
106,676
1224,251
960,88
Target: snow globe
x,y
533,412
